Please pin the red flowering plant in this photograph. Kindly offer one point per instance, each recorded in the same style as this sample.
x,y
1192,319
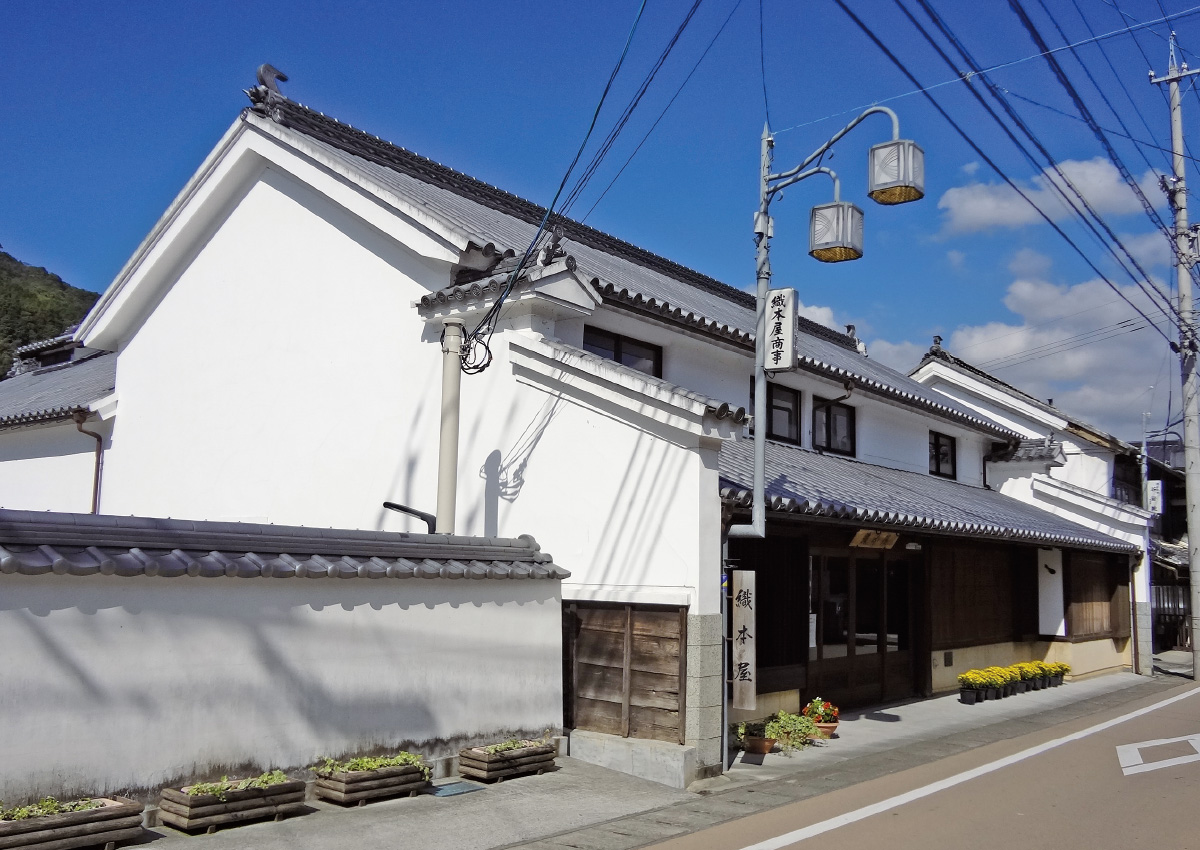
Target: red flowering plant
x,y
820,711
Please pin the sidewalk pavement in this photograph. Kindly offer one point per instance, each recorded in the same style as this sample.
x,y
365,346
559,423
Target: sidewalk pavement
x,y
585,807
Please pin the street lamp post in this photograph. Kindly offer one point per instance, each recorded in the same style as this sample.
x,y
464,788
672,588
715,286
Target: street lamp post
x,y
896,176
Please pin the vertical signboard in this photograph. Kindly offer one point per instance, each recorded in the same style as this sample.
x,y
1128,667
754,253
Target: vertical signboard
x,y
745,665
780,353
1154,497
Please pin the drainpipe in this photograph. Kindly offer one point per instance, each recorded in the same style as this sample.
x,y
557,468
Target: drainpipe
x,y
452,334
80,416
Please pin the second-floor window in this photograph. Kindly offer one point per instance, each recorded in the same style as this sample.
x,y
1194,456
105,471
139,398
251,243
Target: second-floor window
x,y
627,351
833,427
783,413
942,455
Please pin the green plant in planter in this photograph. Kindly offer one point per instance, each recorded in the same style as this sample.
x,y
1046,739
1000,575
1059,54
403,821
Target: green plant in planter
x,y
751,729
224,786
328,765
47,806
792,731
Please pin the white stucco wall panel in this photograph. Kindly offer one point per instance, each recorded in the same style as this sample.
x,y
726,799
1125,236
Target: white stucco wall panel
x,y
282,376
184,678
48,468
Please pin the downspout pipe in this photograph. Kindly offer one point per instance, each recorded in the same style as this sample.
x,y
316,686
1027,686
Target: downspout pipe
x,y
80,416
447,492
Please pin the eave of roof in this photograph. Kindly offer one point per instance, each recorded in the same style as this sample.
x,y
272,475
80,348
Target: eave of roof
x,y
809,483
36,543
1081,429
54,393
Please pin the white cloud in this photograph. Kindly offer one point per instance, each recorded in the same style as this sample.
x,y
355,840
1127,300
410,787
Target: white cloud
x,y
820,315
986,206
1080,345
1150,249
970,168
1029,263
956,259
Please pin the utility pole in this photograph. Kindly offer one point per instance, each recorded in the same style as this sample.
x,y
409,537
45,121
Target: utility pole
x,y
1185,257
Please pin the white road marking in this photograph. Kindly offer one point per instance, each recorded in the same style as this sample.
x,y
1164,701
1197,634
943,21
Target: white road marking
x,y
1129,756
798,835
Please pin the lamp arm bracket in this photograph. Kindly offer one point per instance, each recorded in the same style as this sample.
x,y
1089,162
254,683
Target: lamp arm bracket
x,y
820,169
838,135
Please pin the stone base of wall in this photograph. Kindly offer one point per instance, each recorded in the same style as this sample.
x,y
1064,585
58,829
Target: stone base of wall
x,y
671,764
705,689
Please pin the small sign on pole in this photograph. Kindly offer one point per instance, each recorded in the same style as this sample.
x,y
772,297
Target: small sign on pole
x,y
745,663
1154,497
780,353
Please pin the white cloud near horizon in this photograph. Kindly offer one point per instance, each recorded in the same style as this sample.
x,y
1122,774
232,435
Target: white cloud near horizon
x,y
981,206
1098,357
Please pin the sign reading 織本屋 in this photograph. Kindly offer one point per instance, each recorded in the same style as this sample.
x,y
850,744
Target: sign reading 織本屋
x,y
780,353
745,664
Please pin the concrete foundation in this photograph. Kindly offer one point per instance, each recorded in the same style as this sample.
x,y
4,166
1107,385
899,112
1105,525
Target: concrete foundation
x,y
704,690
669,764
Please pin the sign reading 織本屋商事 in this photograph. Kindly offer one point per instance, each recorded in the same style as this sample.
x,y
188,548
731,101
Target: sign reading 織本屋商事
x,y
745,662
780,352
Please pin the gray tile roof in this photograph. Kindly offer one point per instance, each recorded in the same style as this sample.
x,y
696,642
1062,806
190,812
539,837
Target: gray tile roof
x,y
49,394
36,543
805,482
1050,451
626,274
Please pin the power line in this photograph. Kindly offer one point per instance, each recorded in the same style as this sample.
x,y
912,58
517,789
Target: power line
x,y
762,62
979,152
1024,328
1061,76
926,89
477,353
1064,344
1074,204
662,114
626,114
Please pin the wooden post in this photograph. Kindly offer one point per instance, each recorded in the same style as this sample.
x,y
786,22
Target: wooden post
x,y
627,671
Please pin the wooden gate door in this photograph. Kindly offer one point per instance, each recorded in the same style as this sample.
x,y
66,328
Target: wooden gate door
x,y
626,670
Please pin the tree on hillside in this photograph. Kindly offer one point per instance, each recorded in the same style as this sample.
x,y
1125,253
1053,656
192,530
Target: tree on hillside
x,y
35,304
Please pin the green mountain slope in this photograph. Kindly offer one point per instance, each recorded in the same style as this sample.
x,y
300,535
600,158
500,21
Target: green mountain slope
x,y
35,304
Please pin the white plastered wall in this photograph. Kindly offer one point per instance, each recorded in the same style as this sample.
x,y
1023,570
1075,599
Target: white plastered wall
x,y
185,678
48,467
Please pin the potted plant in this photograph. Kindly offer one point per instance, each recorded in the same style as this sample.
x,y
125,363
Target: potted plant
x,y
971,686
365,778
1058,670
824,714
752,734
514,757
207,805
793,731
1020,681
73,823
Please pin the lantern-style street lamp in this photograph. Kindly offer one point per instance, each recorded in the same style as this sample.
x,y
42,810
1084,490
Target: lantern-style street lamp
x,y
896,175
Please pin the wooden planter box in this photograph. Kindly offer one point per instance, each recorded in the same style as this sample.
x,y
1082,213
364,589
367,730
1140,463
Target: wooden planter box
x,y
478,763
362,785
116,820
179,809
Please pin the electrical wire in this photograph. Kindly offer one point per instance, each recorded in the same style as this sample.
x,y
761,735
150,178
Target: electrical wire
x,y
1079,204
926,89
626,114
1038,325
762,62
1064,344
662,114
990,162
477,353
1099,131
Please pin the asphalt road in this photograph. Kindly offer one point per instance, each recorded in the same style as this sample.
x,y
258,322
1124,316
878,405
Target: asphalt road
x,y
1125,778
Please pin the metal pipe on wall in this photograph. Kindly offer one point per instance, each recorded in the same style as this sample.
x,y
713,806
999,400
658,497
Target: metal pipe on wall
x,y
447,494
80,416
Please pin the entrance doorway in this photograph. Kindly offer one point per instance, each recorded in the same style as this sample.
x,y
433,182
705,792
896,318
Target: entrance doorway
x,y
860,615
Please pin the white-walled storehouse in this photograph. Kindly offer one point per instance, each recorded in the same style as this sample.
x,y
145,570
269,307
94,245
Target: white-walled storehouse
x,y
277,352
1072,470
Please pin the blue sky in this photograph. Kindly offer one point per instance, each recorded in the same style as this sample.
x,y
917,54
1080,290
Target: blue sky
x,y
111,107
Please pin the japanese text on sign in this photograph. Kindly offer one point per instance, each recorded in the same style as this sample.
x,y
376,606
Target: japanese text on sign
x,y
780,350
745,665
